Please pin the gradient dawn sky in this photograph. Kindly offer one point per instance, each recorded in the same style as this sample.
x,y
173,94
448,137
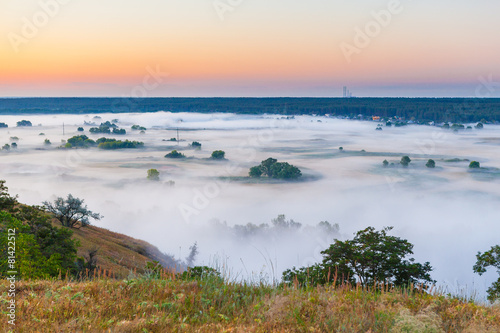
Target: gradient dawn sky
x,y
159,48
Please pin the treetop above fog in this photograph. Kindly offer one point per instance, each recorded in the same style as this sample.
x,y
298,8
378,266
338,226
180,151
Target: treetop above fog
x,y
274,169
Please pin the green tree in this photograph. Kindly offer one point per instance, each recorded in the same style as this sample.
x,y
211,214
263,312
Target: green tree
x,y
24,123
71,211
430,164
6,147
80,129
218,155
7,202
405,161
274,169
81,141
255,172
40,254
138,128
112,144
119,131
51,240
47,142
479,126
153,174
371,256
266,166
284,170
474,165
175,154
487,259
196,145
3,125
385,163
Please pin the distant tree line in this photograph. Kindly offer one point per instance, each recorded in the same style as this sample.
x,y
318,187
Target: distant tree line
x,y
455,110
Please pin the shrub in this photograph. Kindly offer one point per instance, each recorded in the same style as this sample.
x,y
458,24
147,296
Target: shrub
x,y
80,129
196,145
3,125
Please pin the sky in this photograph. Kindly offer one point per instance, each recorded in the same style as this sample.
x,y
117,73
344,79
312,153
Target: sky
x,y
256,48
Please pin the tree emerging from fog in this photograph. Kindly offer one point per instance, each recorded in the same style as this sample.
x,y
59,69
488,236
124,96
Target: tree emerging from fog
x,y
274,169
71,212
485,260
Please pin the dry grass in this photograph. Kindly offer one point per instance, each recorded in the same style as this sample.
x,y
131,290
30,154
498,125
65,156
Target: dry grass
x,y
171,305
118,253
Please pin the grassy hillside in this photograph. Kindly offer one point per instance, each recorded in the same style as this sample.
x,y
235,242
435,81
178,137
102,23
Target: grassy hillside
x,y
167,304
118,253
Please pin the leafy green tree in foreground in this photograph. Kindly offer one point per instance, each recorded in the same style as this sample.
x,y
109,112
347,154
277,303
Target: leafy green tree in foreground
x,y
42,250
153,174
71,211
371,256
487,259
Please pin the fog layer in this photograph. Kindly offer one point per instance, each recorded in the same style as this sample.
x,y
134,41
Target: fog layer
x,y
449,212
